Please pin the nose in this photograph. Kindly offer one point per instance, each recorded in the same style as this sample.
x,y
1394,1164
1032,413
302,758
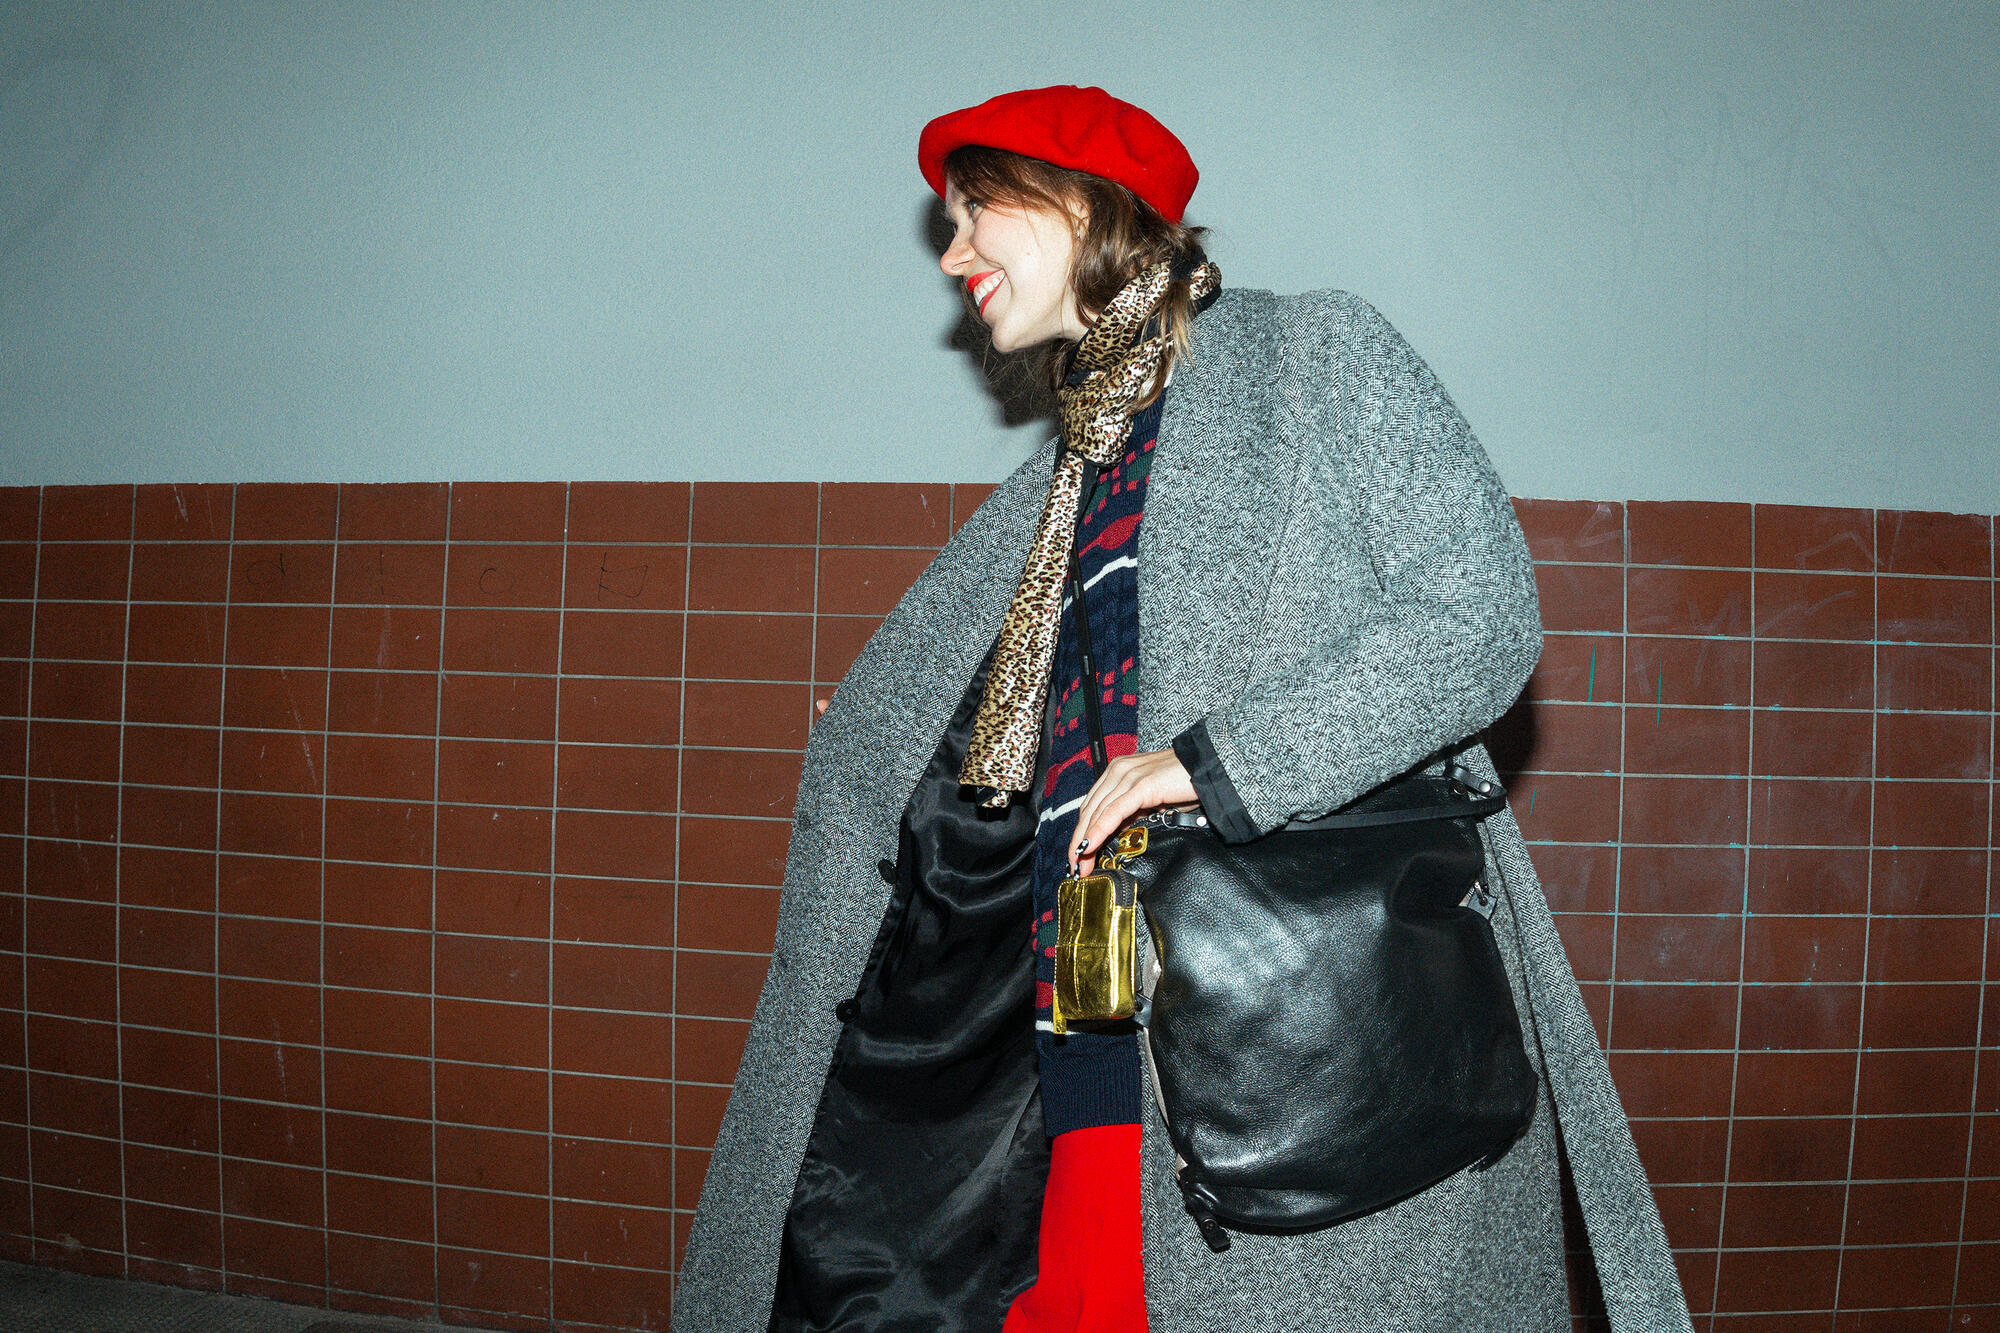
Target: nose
x,y
956,256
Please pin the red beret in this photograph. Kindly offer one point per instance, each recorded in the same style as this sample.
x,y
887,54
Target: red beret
x,y
1084,129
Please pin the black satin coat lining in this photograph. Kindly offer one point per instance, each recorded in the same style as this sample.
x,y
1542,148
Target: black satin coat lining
x,y
918,1204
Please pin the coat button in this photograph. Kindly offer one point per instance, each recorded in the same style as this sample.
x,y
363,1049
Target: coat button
x,y
887,869
844,1011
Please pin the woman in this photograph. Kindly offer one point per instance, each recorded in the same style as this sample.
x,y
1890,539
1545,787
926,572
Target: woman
x,y
1303,580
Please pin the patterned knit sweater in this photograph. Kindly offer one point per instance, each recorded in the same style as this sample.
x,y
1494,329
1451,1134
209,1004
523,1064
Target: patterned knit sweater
x,y
1090,1076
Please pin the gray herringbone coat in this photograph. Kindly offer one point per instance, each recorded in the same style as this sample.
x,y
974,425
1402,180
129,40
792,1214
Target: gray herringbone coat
x,y
1331,575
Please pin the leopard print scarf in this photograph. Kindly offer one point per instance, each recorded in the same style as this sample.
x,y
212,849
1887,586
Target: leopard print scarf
x,y
1112,369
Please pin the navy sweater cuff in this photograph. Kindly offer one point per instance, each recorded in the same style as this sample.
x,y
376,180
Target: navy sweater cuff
x,y
1090,1079
1219,801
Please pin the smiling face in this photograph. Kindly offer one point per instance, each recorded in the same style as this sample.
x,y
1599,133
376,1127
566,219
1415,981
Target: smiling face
x,y
1014,262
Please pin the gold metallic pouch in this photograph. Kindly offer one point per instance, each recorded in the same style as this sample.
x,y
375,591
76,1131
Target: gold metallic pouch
x,y
1097,938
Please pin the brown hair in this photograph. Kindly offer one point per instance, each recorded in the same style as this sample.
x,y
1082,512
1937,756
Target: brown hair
x,y
1120,236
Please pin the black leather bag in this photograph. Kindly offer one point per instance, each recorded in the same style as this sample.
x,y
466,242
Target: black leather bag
x,y
1329,1022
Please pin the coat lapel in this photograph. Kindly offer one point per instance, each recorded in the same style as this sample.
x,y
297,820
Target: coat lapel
x,y
1219,484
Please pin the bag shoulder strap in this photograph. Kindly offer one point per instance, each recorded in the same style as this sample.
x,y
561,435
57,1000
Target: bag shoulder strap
x,y
1635,1268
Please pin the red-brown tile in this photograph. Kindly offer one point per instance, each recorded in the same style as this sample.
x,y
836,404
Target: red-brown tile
x,y
708,1050
615,843
1917,542
86,811
177,1179
1575,878
292,699
391,960
358,830
82,690
750,578
508,511
382,767
74,751
1799,1018
1687,740
617,777
69,1106
1925,948
1707,672
1572,529
966,498
485,902
1803,948
482,1095
269,824
493,838
1912,881
1567,738
170,512
622,643
399,573
96,631
1898,1278
372,1145
270,1011
1934,610
1681,1152
387,638
1931,814
495,772
284,511
271,761
488,639
404,1272
181,756
1928,745
518,1223
719,985
1684,811
501,707
1808,880
747,715
380,1085
72,1162
1688,532
1815,606
383,702
86,513
485,1285
291,1258
1581,598
272,950
758,783
732,918
630,1173
1786,1149
270,1071
863,581
370,1206
637,1110
487,1032
1687,601
290,572
601,976
492,1159
1677,879
400,512
589,1041
626,712
782,512
20,512
1773,1216
610,911
837,641
1795,1083
739,647
612,1297
1914,1082
628,511
733,851
625,578
1910,1016
151,938
1814,537
184,1061
383,1022
1934,677
1577,668
166,999
169,1118
389,896
486,967
526,577
275,635
180,572
884,514
1812,744
1808,812
72,989
1911,1148
1678,948
17,570
272,1132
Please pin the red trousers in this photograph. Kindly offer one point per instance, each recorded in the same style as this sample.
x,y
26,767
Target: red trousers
x,y
1092,1277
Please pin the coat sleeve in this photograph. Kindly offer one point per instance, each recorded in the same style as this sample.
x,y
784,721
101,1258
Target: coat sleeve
x,y
1448,642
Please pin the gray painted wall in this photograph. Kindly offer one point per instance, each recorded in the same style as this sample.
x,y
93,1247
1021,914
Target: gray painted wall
x,y
1705,252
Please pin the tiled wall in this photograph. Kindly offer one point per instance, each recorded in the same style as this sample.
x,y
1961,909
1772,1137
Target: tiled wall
x,y
389,870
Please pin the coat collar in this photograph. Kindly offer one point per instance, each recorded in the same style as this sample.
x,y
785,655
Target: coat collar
x,y
1204,554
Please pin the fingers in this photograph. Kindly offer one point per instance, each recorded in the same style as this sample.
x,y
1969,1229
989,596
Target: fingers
x,y
820,705
1129,785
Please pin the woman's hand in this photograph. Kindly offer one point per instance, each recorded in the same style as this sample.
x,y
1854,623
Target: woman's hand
x,y
1130,785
